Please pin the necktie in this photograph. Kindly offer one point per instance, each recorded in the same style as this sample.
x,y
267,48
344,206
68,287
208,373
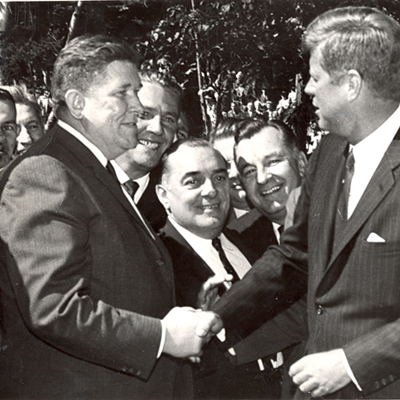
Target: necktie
x,y
111,170
131,187
342,205
225,262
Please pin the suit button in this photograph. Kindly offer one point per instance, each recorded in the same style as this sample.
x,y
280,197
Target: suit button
x,y
160,262
391,378
320,310
377,385
384,382
138,372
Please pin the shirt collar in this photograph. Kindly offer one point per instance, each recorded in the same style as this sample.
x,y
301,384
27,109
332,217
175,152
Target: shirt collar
x,y
379,140
86,142
121,174
189,236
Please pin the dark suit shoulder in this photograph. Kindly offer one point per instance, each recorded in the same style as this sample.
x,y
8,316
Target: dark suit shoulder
x,y
253,230
150,206
190,270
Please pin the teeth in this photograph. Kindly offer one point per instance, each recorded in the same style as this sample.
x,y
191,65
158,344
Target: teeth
x,y
270,191
150,145
211,206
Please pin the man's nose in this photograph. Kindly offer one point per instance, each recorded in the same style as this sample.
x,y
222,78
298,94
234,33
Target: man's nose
x,y
263,175
155,125
208,188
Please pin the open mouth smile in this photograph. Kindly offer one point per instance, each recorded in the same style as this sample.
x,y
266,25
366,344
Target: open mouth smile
x,y
149,144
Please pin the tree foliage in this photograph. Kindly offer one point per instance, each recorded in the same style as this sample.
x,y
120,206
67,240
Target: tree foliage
x,y
247,50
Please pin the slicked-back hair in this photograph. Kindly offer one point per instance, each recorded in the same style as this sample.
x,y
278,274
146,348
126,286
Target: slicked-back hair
x,y
252,127
225,129
21,95
360,38
167,81
189,142
85,58
6,96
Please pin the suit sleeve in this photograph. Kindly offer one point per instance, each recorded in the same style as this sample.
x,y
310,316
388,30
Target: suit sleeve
x,y
286,329
45,220
373,358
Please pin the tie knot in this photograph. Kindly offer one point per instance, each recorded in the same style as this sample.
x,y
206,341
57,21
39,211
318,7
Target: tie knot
x,y
131,187
217,244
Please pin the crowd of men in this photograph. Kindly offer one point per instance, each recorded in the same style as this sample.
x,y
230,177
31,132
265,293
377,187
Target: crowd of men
x,y
137,262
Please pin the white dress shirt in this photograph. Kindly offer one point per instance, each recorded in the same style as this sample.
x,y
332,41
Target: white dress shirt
x,y
368,154
143,182
204,248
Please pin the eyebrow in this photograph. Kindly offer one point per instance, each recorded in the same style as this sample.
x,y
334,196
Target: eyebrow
x,y
196,173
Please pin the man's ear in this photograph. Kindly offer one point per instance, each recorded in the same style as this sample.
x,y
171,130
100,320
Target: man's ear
x,y
354,82
162,194
302,163
75,101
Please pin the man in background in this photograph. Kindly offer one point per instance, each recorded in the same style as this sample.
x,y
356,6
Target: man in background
x,y
195,192
29,117
157,125
8,128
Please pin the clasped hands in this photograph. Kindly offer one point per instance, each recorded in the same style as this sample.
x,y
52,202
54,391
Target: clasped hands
x,y
188,329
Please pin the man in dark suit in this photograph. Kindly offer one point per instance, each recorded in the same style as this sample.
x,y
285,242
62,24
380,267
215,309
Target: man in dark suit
x,y
161,97
87,292
343,247
195,193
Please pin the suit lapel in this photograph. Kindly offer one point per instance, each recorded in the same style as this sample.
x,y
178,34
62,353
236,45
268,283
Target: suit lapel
x,y
200,267
381,183
97,170
325,202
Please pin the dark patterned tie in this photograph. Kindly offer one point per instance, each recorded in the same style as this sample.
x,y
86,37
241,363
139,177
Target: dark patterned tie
x,y
342,205
225,262
131,187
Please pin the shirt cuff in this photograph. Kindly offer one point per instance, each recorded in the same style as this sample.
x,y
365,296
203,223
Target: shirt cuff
x,y
349,371
162,342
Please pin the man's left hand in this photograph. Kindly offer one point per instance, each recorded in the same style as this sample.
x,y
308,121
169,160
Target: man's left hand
x,y
321,373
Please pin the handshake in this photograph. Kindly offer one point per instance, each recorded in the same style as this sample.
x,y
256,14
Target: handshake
x,y
188,329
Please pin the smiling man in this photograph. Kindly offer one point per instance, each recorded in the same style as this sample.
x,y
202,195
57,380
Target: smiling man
x,y
270,164
195,190
157,125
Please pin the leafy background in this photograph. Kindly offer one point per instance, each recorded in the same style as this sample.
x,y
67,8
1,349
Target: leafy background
x,y
221,52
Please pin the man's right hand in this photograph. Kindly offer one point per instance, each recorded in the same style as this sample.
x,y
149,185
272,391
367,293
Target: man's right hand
x,y
188,329
208,294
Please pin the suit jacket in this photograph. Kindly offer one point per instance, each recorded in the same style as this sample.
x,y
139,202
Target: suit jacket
x,y
85,284
255,231
351,283
150,206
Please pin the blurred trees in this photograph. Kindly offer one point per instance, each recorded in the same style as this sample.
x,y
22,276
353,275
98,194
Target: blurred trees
x,y
247,50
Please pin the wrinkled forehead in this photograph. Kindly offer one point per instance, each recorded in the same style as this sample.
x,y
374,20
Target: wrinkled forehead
x,y
7,111
188,160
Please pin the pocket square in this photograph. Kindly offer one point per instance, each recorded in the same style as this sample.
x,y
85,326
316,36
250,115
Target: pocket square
x,y
375,238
